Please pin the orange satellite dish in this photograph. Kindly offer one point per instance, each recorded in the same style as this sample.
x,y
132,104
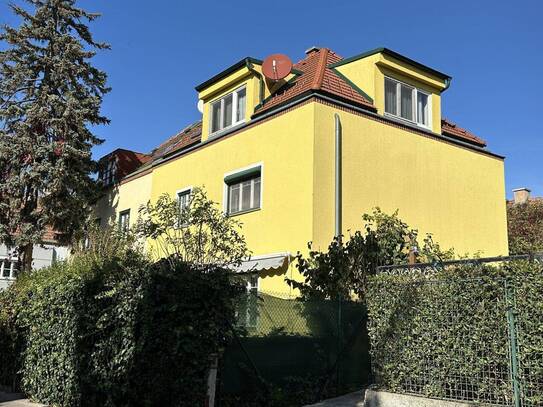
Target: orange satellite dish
x,y
276,67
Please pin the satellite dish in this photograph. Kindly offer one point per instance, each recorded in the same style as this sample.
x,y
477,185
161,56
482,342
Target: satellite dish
x,y
276,67
201,106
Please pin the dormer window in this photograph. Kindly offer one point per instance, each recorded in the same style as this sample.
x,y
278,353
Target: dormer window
x,y
228,110
109,172
407,102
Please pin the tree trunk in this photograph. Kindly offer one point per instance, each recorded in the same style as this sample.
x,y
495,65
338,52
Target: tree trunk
x,y
26,257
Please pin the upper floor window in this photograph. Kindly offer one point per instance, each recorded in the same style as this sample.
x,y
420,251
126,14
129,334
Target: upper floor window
x,y
407,102
183,200
244,191
108,172
124,221
228,110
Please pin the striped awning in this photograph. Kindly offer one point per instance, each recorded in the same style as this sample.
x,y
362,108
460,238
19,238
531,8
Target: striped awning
x,y
264,262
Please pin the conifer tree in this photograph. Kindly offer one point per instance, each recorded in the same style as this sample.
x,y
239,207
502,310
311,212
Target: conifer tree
x,y
50,98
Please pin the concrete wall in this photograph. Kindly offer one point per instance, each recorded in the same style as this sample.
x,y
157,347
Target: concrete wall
x,y
384,399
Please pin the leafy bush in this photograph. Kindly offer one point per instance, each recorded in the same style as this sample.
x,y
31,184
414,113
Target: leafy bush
x,y
525,226
445,333
200,233
343,270
111,328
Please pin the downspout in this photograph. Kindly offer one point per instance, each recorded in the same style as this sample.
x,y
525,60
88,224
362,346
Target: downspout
x,y
338,213
260,78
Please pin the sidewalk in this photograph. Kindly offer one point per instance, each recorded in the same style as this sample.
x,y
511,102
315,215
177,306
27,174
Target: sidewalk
x,y
16,400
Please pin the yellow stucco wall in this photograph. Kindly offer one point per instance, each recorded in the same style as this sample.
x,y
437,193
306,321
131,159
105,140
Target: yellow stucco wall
x,y
128,195
284,147
455,193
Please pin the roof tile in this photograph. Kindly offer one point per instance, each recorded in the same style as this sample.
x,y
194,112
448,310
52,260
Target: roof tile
x,y
448,128
318,77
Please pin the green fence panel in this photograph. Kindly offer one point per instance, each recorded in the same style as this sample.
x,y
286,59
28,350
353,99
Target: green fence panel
x,y
299,350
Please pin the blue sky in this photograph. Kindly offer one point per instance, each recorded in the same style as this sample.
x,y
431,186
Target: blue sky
x,y
162,49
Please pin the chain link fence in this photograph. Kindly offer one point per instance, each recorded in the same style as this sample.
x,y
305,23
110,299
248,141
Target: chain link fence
x,y
469,330
290,352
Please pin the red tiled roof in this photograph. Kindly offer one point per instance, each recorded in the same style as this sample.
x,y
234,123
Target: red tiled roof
x,y
316,76
449,128
190,135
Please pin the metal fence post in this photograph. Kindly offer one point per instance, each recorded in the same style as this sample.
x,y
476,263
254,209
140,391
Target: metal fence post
x,y
513,342
339,340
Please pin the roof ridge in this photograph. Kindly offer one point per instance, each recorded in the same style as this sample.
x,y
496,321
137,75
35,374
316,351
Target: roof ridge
x,y
321,67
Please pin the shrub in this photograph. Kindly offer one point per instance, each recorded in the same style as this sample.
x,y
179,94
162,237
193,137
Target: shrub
x,y
525,226
446,333
343,270
117,330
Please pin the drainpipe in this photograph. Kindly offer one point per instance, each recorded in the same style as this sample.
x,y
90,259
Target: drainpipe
x,y
338,231
251,68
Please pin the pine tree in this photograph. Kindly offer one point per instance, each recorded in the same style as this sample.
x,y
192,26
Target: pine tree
x,y
50,97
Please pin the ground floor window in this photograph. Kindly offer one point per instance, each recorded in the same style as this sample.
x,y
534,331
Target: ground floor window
x,y
8,268
247,313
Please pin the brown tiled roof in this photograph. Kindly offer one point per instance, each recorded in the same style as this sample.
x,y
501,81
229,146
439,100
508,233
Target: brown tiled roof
x,y
316,76
190,135
449,128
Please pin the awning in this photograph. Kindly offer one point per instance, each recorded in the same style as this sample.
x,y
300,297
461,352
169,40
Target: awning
x,y
263,262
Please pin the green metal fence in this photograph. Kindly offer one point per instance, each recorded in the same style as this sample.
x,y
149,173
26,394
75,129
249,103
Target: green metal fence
x,y
290,351
468,330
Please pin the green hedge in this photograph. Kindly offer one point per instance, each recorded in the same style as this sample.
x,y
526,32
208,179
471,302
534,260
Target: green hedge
x,y
119,332
446,333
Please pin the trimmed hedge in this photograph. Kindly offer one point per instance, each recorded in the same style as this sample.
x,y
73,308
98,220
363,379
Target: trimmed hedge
x,y
120,332
446,334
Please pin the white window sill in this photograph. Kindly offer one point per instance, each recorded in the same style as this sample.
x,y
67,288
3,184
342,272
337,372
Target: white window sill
x,y
231,215
406,121
219,133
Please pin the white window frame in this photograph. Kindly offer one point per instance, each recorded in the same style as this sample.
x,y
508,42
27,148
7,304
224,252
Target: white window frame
x,y
251,317
226,195
234,94
110,172
121,214
180,192
414,102
12,262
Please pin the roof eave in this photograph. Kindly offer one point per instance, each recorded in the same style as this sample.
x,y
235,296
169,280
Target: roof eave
x,y
240,64
396,55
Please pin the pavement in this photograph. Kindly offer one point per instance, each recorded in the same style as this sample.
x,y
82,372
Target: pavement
x,y
355,399
16,400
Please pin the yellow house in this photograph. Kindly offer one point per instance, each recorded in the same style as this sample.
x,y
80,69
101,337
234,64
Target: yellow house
x,y
301,159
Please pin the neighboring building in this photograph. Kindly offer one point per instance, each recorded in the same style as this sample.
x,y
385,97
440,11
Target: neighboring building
x,y
265,150
43,256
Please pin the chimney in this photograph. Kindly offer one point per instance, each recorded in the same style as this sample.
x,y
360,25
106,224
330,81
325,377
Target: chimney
x,y
521,195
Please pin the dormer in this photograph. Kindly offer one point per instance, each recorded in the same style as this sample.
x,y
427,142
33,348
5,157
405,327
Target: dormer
x,y
401,88
118,164
229,99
